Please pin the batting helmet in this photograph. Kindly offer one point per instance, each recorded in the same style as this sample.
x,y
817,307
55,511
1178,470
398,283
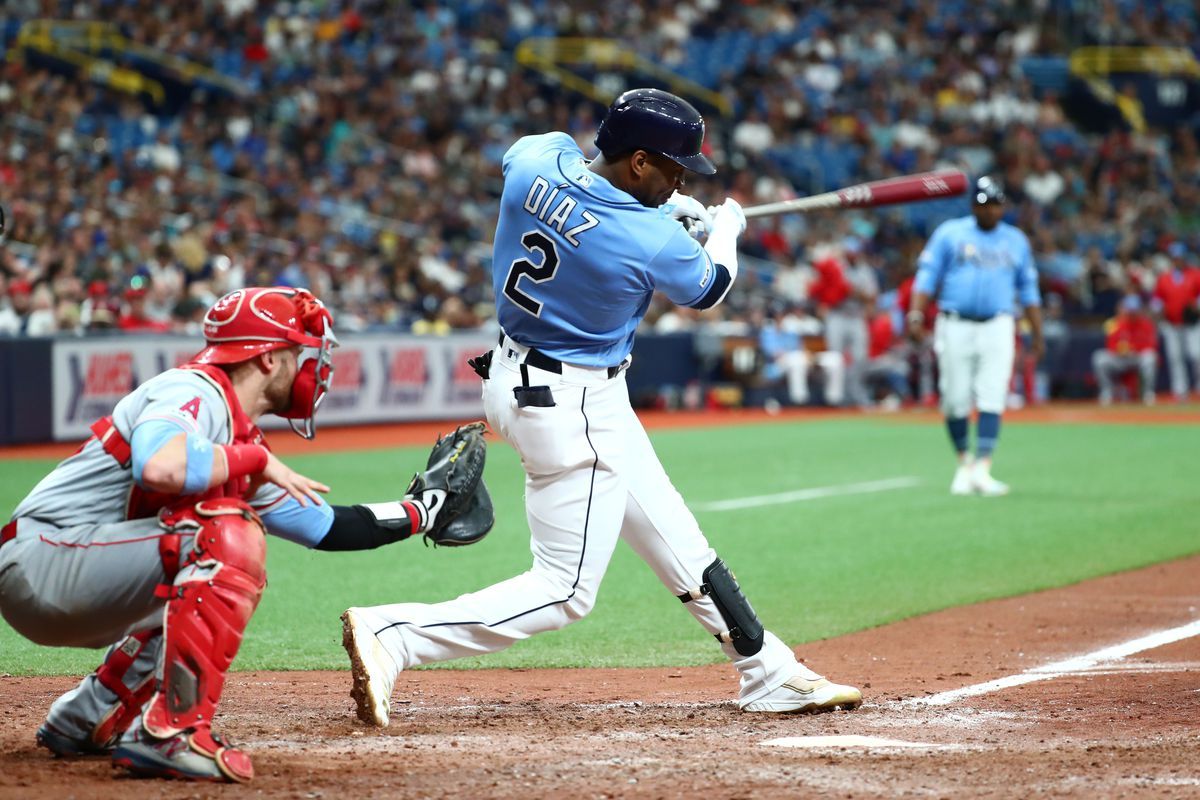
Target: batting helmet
x,y
248,322
988,190
657,121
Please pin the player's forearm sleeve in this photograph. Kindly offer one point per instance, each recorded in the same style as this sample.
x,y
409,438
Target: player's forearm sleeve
x,y
722,248
356,528
717,288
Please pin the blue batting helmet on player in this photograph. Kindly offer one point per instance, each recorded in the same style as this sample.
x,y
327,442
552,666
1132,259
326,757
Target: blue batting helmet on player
x,y
657,121
988,190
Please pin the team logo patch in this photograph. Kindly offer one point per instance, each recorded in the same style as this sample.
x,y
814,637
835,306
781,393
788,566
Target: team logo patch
x,y
192,407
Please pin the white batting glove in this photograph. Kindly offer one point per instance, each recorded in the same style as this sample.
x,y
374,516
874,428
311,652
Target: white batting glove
x,y
690,212
728,215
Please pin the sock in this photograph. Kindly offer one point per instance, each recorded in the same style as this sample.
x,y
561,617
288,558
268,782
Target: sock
x,y
987,432
958,433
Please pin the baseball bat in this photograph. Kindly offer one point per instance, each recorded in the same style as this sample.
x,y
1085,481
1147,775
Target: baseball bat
x,y
905,189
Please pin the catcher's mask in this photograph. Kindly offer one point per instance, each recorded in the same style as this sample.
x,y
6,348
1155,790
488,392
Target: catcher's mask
x,y
248,322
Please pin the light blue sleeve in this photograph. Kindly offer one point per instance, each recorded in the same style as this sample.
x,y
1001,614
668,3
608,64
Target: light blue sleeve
x,y
681,270
148,438
1027,276
932,263
306,525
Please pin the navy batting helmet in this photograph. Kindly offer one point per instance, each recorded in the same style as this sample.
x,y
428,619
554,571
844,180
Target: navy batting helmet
x,y
988,190
658,121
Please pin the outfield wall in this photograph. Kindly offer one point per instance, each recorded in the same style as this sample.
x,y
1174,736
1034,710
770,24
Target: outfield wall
x,y
53,389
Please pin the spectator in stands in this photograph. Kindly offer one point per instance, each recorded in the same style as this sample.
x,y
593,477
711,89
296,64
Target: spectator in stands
x,y
1132,344
920,352
843,292
887,362
135,318
790,344
1176,294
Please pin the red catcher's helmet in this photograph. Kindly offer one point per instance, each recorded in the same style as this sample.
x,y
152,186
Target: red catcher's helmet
x,y
248,322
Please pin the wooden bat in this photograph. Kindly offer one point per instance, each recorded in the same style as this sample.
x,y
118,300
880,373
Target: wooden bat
x,y
905,189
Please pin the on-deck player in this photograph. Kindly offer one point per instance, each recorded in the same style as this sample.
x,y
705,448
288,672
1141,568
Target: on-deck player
x,y
581,246
166,506
975,266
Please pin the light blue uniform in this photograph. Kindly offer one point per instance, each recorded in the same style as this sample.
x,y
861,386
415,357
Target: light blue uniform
x,y
977,273
577,260
977,277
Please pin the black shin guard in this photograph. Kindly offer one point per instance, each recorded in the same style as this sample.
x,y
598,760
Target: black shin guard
x,y
745,631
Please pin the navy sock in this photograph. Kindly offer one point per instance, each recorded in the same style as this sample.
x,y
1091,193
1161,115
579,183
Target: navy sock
x,y
987,432
958,433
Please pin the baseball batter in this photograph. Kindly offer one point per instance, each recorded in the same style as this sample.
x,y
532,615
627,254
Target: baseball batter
x,y
152,536
580,248
977,267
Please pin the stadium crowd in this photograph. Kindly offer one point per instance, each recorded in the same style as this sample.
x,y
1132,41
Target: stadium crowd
x,y
361,157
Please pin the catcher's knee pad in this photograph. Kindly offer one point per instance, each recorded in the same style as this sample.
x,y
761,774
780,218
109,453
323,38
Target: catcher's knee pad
x,y
745,631
209,606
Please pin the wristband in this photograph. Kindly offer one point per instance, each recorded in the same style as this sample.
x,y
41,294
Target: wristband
x,y
199,464
244,459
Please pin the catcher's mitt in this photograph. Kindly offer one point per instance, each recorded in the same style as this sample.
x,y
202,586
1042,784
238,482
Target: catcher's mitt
x,y
452,488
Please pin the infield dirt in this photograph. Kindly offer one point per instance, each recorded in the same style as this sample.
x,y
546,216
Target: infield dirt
x,y
1125,729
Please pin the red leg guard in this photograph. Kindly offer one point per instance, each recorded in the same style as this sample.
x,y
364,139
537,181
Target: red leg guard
x,y
111,675
212,600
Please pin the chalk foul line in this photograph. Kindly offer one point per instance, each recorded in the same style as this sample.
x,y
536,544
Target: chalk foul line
x,y
1067,667
815,493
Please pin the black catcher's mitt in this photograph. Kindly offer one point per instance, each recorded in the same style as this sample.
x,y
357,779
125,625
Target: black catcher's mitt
x,y
452,488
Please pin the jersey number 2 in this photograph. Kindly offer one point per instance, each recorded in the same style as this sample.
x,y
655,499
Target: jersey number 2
x,y
538,273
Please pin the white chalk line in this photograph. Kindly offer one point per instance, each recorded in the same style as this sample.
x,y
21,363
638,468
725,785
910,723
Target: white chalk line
x,y
1069,666
815,493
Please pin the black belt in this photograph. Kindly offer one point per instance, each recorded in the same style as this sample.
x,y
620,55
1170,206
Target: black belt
x,y
8,533
536,358
967,317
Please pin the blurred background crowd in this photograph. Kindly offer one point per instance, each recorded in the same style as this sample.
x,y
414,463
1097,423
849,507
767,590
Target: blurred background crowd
x,y
354,147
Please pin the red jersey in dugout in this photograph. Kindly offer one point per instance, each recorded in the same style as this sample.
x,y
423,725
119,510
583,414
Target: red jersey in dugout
x,y
1177,289
1131,333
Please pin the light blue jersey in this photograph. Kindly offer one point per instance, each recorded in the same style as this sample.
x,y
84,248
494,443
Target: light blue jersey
x,y
977,273
576,260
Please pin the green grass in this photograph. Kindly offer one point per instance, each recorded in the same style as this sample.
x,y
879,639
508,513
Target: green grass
x,y
1088,500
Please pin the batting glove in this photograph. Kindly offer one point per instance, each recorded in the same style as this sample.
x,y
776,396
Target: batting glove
x,y
690,212
728,214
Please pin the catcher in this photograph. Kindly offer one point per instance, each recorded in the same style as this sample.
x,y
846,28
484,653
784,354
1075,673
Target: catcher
x,y
152,534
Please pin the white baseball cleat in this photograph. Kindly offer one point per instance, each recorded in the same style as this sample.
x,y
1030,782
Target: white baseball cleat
x,y
988,486
373,670
806,692
962,483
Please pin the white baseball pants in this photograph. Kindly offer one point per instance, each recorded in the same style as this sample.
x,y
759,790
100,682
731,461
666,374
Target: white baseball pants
x,y
1180,341
975,362
795,365
846,334
1107,364
592,477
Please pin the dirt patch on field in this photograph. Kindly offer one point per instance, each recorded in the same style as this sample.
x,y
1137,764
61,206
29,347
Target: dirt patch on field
x,y
1116,727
